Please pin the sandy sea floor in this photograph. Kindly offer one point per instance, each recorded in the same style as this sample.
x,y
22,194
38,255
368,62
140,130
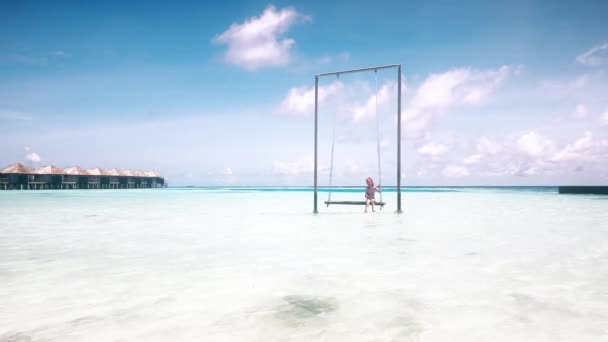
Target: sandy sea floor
x,y
213,265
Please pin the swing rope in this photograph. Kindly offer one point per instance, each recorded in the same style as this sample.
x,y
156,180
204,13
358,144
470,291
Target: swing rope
x,y
333,144
331,163
378,136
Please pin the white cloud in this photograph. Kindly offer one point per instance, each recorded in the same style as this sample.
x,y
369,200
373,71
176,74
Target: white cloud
x,y
293,168
577,150
224,177
581,111
472,159
300,101
432,149
580,85
487,146
59,54
258,42
484,148
304,65
531,171
10,115
304,166
352,166
604,118
455,171
342,57
595,56
26,60
33,157
440,92
532,154
385,94
534,145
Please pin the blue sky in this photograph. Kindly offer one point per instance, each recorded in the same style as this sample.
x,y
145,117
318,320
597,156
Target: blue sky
x,y
214,94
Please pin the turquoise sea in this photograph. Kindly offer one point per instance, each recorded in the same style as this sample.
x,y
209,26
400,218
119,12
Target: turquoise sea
x,y
254,264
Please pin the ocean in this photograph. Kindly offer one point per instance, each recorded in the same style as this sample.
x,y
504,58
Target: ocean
x,y
254,264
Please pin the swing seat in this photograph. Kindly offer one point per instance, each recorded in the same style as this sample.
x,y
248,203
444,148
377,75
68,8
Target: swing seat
x,y
380,204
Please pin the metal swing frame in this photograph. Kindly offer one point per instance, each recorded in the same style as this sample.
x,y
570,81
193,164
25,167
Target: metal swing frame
x,y
338,73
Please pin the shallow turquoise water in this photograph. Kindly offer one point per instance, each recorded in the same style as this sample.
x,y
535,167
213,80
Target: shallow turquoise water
x,y
242,264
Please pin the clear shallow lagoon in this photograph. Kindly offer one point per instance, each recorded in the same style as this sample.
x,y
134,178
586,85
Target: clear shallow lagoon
x,y
468,264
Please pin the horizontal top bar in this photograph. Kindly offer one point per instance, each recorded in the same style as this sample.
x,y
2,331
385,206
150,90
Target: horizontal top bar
x,y
359,70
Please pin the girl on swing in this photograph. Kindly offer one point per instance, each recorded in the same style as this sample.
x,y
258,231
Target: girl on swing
x,y
370,192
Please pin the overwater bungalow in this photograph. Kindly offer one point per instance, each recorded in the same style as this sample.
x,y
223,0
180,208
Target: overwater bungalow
x,y
70,179
152,178
47,177
102,175
141,180
76,177
15,177
158,179
127,179
114,178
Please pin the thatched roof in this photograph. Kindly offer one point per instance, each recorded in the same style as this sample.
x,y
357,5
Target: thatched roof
x,y
49,170
76,171
114,172
17,168
138,173
97,172
150,173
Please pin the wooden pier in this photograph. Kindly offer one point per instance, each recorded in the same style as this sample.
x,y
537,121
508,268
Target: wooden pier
x,y
19,177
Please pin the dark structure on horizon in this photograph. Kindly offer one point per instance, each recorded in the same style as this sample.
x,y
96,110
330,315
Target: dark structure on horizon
x,y
580,190
19,177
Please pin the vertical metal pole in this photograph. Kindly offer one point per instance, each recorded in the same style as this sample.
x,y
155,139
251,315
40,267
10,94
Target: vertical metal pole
x,y
399,139
316,138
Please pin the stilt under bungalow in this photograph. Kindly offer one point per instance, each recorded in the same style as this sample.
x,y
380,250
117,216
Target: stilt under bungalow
x,y
48,177
102,175
114,178
128,179
78,175
151,175
140,179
